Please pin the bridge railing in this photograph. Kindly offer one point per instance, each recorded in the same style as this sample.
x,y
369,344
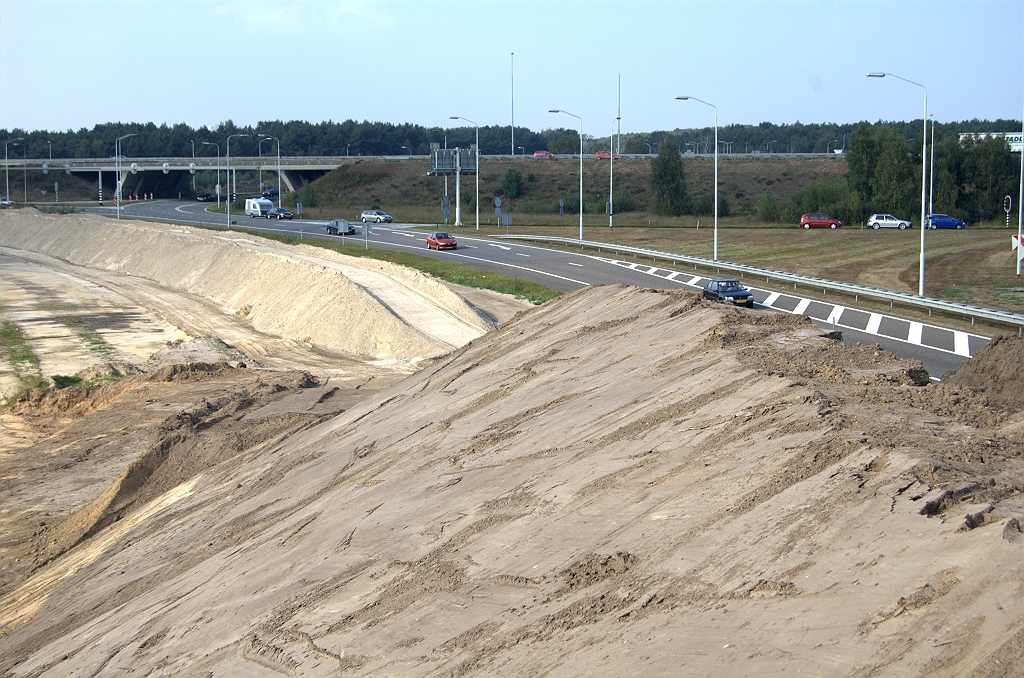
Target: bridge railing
x,y
796,279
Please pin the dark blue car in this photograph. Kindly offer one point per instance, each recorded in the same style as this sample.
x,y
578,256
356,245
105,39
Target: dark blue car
x,y
728,290
943,221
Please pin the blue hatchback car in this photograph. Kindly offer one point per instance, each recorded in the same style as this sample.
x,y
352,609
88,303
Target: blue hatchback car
x,y
943,221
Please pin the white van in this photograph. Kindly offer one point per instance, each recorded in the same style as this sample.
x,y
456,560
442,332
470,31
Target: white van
x,y
258,207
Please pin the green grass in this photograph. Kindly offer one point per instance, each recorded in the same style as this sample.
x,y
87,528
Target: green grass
x,y
447,271
21,357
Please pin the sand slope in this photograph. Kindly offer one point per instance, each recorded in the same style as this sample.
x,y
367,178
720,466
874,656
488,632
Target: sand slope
x,y
621,482
342,304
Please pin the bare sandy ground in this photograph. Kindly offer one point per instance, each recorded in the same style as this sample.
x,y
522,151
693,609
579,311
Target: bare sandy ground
x,y
621,482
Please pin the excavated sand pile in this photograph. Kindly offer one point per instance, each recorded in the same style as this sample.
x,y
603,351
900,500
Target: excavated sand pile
x,y
343,304
622,482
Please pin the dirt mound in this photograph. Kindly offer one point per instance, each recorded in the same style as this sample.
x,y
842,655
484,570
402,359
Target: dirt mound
x,y
343,304
622,481
997,371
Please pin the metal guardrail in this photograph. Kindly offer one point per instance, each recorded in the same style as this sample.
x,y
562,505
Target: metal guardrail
x,y
807,281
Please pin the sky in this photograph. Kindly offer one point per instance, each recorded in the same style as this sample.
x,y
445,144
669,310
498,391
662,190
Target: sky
x,y
67,64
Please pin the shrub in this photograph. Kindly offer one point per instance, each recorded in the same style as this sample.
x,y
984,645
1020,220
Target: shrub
x,y
512,183
668,182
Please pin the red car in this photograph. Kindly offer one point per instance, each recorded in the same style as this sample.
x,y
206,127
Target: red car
x,y
818,220
542,154
606,154
439,240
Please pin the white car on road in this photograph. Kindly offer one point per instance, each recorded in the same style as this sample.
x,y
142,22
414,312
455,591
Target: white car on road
x,y
877,221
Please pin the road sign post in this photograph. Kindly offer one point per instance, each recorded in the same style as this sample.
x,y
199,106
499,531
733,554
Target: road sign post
x,y
1007,206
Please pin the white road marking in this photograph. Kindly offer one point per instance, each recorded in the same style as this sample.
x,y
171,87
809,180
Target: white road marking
x,y
574,264
772,298
873,323
802,306
500,263
916,330
500,246
837,312
672,275
693,281
520,254
961,343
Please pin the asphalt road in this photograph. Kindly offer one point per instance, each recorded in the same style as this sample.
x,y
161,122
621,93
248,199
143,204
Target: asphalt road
x,y
939,348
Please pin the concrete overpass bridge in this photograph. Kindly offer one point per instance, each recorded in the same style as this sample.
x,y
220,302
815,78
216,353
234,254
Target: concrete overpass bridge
x,y
165,177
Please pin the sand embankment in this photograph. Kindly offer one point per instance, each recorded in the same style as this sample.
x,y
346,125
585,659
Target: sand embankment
x,y
342,304
622,482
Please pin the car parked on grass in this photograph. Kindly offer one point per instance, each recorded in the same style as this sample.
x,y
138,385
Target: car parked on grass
x,y
340,227
728,290
375,215
543,154
819,220
440,240
877,221
279,213
943,221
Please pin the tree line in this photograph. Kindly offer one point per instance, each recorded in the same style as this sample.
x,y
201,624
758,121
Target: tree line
x,y
298,138
378,138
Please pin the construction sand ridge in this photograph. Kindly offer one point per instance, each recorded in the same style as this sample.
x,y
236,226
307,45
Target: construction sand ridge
x,y
342,304
619,482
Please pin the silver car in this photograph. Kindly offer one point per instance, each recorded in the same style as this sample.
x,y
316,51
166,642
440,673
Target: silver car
x,y
877,221
375,215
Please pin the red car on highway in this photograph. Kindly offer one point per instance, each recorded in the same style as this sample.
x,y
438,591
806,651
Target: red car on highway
x,y
542,154
818,220
439,240
606,154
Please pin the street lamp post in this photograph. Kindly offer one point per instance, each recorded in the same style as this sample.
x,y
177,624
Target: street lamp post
x,y
193,141
49,145
522,149
716,163
558,110
259,151
408,149
228,165
278,165
211,143
924,169
767,147
458,117
931,173
117,162
650,151
7,170
834,141
611,174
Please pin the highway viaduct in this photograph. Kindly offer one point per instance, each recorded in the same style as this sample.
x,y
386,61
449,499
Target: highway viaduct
x,y
165,177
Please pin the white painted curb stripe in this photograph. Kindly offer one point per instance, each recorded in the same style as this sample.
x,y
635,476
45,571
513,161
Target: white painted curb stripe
x,y
961,343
